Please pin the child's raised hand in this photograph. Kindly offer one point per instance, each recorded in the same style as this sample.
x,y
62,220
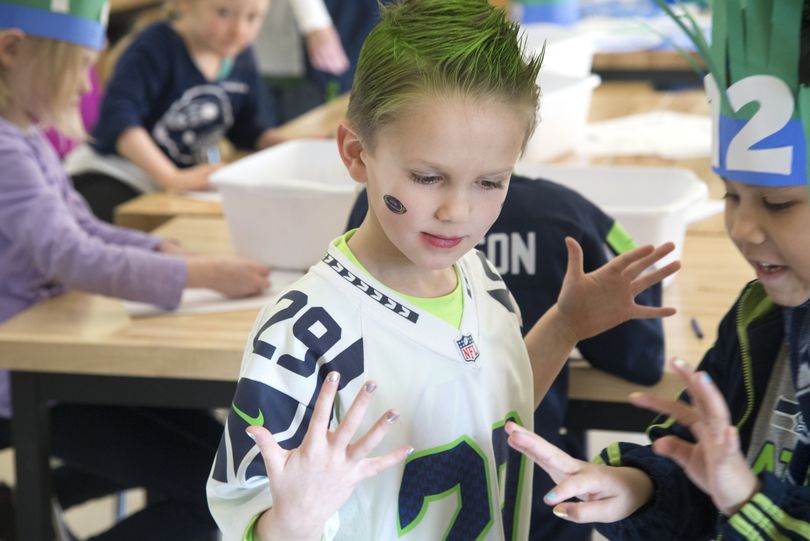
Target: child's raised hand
x,y
715,463
309,484
607,493
597,301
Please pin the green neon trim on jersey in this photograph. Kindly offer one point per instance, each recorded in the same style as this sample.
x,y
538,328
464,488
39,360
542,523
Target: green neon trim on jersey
x,y
513,415
744,528
614,454
456,488
92,10
252,421
780,517
760,520
250,531
449,308
619,239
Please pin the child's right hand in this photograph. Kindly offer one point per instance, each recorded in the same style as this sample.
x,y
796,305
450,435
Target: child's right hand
x,y
309,484
607,493
231,276
190,178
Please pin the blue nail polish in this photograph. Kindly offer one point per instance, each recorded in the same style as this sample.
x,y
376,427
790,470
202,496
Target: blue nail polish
x,y
706,378
551,496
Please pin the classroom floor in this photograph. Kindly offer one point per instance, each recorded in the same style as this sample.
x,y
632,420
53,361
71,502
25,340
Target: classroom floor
x,y
88,519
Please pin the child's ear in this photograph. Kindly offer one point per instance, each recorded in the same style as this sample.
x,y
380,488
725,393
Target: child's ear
x,y
351,152
10,45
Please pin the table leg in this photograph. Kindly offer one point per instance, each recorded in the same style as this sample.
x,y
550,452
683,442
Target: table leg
x,y
30,427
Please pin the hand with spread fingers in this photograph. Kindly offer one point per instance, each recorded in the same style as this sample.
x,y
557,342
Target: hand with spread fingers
x,y
607,493
715,463
594,302
309,484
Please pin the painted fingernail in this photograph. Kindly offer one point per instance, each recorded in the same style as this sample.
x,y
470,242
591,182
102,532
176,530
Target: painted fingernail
x,y
559,512
250,435
391,416
705,378
370,387
551,496
333,377
636,395
680,363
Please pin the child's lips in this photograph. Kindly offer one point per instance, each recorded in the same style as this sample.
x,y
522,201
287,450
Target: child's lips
x,y
768,271
440,241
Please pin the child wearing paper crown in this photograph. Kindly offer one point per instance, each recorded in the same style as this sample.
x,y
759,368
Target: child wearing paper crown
x,y
731,457
405,320
50,242
179,87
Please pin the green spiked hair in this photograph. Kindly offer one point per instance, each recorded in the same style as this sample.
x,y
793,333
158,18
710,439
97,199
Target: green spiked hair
x,y
440,47
757,86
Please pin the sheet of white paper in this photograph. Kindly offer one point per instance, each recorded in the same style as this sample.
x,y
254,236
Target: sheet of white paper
x,y
205,301
665,134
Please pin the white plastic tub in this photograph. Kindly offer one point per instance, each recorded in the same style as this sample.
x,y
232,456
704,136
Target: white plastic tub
x,y
652,203
563,115
285,204
569,50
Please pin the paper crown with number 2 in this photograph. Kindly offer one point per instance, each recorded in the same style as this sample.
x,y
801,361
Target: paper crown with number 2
x,y
760,107
82,22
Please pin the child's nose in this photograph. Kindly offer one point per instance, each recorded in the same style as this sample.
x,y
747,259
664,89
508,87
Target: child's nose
x,y
455,207
743,226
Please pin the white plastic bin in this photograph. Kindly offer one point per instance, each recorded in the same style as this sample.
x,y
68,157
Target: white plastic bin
x,y
285,204
652,203
564,107
569,50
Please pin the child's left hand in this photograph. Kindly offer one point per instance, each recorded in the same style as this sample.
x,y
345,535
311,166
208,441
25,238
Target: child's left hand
x,y
715,463
597,301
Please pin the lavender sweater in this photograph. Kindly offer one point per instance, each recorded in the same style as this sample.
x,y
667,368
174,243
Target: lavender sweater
x,y
51,242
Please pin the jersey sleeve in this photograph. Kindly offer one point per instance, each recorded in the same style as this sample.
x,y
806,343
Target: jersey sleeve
x,y
138,80
295,343
633,350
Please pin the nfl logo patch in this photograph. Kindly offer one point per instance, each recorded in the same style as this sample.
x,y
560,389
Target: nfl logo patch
x,y
466,345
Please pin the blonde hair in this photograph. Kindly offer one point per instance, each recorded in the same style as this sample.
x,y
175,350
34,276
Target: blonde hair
x,y
58,66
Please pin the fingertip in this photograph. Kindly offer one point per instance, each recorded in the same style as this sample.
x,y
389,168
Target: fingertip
x,y
560,512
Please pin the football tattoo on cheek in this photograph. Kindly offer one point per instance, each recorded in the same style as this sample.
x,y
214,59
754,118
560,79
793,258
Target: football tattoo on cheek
x,y
394,204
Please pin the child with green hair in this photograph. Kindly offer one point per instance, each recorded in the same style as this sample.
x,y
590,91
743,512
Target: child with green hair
x,y
441,108
730,458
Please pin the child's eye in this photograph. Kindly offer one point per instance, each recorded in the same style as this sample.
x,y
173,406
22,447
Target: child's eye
x,y
731,197
425,179
777,207
492,184
224,12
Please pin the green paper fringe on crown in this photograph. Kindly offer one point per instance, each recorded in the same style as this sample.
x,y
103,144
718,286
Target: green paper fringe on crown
x,y
750,37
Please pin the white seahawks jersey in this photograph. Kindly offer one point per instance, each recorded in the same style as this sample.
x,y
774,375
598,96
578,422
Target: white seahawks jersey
x,y
454,389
